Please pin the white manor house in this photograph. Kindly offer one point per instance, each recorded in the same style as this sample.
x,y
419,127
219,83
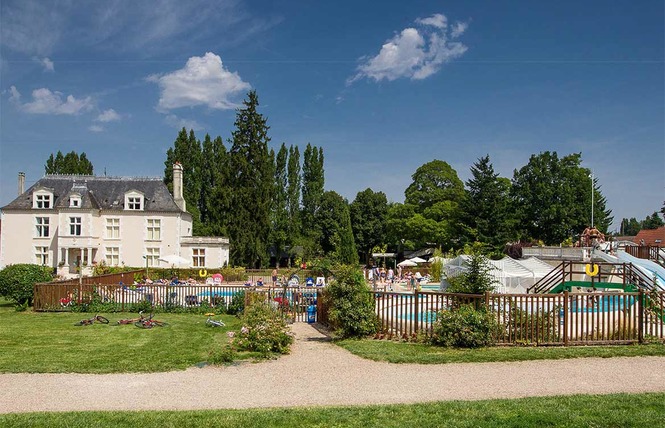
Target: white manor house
x,y
66,221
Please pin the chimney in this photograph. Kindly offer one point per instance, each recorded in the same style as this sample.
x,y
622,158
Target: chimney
x,y
21,183
177,186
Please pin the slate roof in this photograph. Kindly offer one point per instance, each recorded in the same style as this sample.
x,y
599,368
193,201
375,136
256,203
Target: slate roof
x,y
650,237
107,193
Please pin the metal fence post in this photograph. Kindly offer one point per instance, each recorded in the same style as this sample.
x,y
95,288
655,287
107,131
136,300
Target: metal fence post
x,y
640,316
565,318
415,310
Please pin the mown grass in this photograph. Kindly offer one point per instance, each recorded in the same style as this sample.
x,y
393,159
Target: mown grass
x,y
406,352
617,410
50,343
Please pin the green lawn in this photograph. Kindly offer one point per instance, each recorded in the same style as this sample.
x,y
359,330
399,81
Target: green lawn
x,y
619,410
404,352
50,343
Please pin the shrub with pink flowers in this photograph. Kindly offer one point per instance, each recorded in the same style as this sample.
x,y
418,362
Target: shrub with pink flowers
x,y
264,330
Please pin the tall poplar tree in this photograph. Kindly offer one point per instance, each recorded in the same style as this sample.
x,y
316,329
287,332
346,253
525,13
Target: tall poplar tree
x,y
71,163
312,192
217,196
187,150
279,230
251,178
293,197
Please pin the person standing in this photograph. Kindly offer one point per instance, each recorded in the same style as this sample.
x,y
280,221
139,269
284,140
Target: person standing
x,y
274,277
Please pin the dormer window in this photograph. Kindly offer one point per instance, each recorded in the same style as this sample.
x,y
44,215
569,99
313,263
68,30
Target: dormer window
x,y
134,201
75,202
42,201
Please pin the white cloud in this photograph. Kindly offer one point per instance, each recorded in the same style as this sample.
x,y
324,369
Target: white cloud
x,y
95,128
36,27
44,101
109,115
15,95
414,53
48,64
437,20
179,122
458,29
45,62
202,82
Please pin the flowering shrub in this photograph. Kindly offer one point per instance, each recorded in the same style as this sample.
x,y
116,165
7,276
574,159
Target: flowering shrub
x,y
464,327
264,330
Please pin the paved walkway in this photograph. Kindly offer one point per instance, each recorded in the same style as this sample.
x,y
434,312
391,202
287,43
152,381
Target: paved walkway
x,y
318,373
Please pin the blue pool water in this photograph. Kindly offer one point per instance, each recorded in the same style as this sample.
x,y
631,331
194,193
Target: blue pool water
x,y
601,304
429,316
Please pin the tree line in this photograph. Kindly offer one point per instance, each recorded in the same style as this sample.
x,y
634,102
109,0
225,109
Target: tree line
x,y
274,208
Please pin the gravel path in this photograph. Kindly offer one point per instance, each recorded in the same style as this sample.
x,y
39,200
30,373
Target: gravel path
x,y
319,373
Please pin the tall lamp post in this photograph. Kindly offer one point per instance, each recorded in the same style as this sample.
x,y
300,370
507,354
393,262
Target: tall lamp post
x,y
591,176
146,266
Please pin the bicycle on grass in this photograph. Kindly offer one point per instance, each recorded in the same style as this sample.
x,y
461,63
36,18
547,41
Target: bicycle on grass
x,y
150,323
214,323
91,321
132,320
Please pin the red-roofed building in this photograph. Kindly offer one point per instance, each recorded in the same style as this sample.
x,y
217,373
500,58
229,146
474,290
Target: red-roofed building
x,y
651,237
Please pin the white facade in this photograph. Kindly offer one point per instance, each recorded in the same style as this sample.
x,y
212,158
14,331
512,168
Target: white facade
x,y
67,221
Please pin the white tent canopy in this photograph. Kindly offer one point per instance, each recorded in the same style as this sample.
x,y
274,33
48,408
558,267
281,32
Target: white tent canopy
x,y
510,276
418,260
407,263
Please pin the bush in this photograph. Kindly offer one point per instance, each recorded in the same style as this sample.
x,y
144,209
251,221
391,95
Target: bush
x,y
17,281
237,305
351,312
264,329
464,327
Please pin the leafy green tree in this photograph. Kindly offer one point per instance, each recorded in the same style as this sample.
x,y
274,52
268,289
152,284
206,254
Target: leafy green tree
x,y
71,163
215,191
312,192
630,227
433,182
293,197
368,220
486,207
17,281
653,221
187,150
252,182
334,223
552,198
434,201
279,231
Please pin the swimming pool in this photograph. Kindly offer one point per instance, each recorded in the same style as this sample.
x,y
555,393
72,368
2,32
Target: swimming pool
x,y
594,303
427,316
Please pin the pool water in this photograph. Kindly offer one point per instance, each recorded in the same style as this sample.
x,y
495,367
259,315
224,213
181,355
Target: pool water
x,y
601,304
428,316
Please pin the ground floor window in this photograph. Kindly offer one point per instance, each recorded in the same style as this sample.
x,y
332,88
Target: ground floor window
x,y
112,256
41,255
198,257
152,255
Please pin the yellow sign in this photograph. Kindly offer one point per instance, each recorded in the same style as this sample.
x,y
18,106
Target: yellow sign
x,y
591,271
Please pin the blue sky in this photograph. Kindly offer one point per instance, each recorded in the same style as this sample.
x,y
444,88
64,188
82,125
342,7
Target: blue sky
x,y
383,87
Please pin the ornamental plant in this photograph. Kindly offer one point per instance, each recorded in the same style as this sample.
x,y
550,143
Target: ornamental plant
x,y
264,329
464,327
351,312
17,281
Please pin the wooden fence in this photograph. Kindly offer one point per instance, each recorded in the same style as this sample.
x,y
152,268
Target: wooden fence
x,y
540,319
292,301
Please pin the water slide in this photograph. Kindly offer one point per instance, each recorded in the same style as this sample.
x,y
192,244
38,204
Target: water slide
x,y
647,267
